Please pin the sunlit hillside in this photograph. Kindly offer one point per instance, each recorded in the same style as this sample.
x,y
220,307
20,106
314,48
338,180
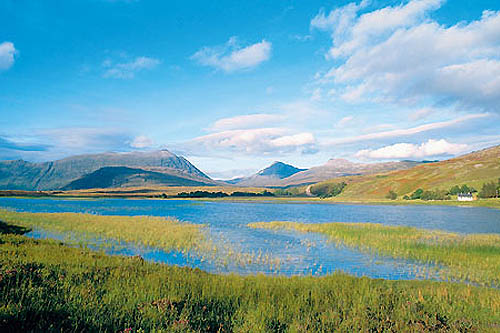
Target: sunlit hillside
x,y
472,169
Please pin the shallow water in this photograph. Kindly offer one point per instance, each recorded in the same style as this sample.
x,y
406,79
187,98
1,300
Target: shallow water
x,y
276,252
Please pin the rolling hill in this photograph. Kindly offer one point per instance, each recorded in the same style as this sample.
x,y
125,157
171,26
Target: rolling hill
x,y
335,168
272,175
22,175
472,169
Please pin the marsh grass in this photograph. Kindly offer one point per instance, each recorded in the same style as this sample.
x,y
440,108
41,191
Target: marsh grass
x,y
46,286
163,233
118,232
470,258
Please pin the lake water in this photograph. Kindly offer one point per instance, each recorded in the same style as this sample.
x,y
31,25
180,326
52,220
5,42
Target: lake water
x,y
297,254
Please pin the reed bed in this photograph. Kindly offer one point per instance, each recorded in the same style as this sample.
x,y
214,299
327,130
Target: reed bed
x,y
471,258
167,234
164,233
46,286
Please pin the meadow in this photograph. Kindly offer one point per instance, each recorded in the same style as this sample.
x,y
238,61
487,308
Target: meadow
x,y
466,258
47,286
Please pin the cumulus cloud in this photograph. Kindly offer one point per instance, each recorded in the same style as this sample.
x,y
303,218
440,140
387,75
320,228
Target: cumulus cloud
x,y
254,141
141,141
431,148
400,55
247,121
232,57
7,53
128,70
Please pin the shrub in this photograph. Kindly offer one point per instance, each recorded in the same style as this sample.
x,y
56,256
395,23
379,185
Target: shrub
x,y
391,195
417,194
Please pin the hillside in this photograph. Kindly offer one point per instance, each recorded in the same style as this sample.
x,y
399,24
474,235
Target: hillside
x,y
472,169
272,175
22,175
335,168
120,177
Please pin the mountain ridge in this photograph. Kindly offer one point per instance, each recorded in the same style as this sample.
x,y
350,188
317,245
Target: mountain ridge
x,y
23,175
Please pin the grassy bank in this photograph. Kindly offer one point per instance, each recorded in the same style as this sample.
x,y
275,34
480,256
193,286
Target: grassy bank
x,y
164,233
474,258
46,286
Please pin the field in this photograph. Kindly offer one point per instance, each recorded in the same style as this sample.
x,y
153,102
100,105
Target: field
x,y
46,286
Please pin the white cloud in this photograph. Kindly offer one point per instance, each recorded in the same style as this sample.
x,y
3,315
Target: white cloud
x,y
7,53
231,57
344,121
400,55
407,150
253,141
316,95
128,70
421,113
408,131
246,121
141,141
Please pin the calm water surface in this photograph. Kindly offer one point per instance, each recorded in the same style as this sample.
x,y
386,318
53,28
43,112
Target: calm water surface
x,y
298,254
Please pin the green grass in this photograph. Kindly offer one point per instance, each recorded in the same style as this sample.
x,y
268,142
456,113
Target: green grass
x,y
164,233
474,257
48,287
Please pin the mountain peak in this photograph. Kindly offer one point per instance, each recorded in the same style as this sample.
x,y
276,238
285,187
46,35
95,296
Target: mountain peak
x,y
340,162
280,170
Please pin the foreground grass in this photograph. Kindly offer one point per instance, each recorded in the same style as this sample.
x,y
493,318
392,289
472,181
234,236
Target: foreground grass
x,y
474,258
167,234
46,286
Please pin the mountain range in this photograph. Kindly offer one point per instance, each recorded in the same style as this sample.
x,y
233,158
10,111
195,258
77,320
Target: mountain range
x,y
102,170
163,168
281,175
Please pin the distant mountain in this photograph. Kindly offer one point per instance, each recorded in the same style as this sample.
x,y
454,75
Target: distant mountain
x,y
472,169
114,177
272,175
339,167
22,175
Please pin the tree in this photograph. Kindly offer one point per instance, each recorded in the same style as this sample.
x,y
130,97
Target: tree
x,y
455,190
391,195
489,190
417,194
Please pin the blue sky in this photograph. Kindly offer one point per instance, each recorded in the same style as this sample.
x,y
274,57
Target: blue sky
x,y
236,85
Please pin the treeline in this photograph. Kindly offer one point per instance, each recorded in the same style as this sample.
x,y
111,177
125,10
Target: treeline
x,y
489,190
220,194
328,190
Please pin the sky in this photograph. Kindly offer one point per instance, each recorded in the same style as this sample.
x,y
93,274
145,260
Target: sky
x,y
235,85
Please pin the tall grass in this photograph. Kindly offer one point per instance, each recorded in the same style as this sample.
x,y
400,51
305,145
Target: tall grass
x,y
473,258
46,286
164,233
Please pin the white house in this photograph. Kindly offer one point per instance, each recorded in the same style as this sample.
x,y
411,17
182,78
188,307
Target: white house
x,y
465,197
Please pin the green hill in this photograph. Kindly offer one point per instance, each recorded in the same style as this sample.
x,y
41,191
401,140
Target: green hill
x,y
473,169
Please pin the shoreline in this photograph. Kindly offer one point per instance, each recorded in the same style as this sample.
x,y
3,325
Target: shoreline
x,y
487,203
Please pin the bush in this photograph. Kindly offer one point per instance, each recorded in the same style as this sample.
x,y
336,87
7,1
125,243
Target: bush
x,y
406,197
435,195
417,194
391,195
